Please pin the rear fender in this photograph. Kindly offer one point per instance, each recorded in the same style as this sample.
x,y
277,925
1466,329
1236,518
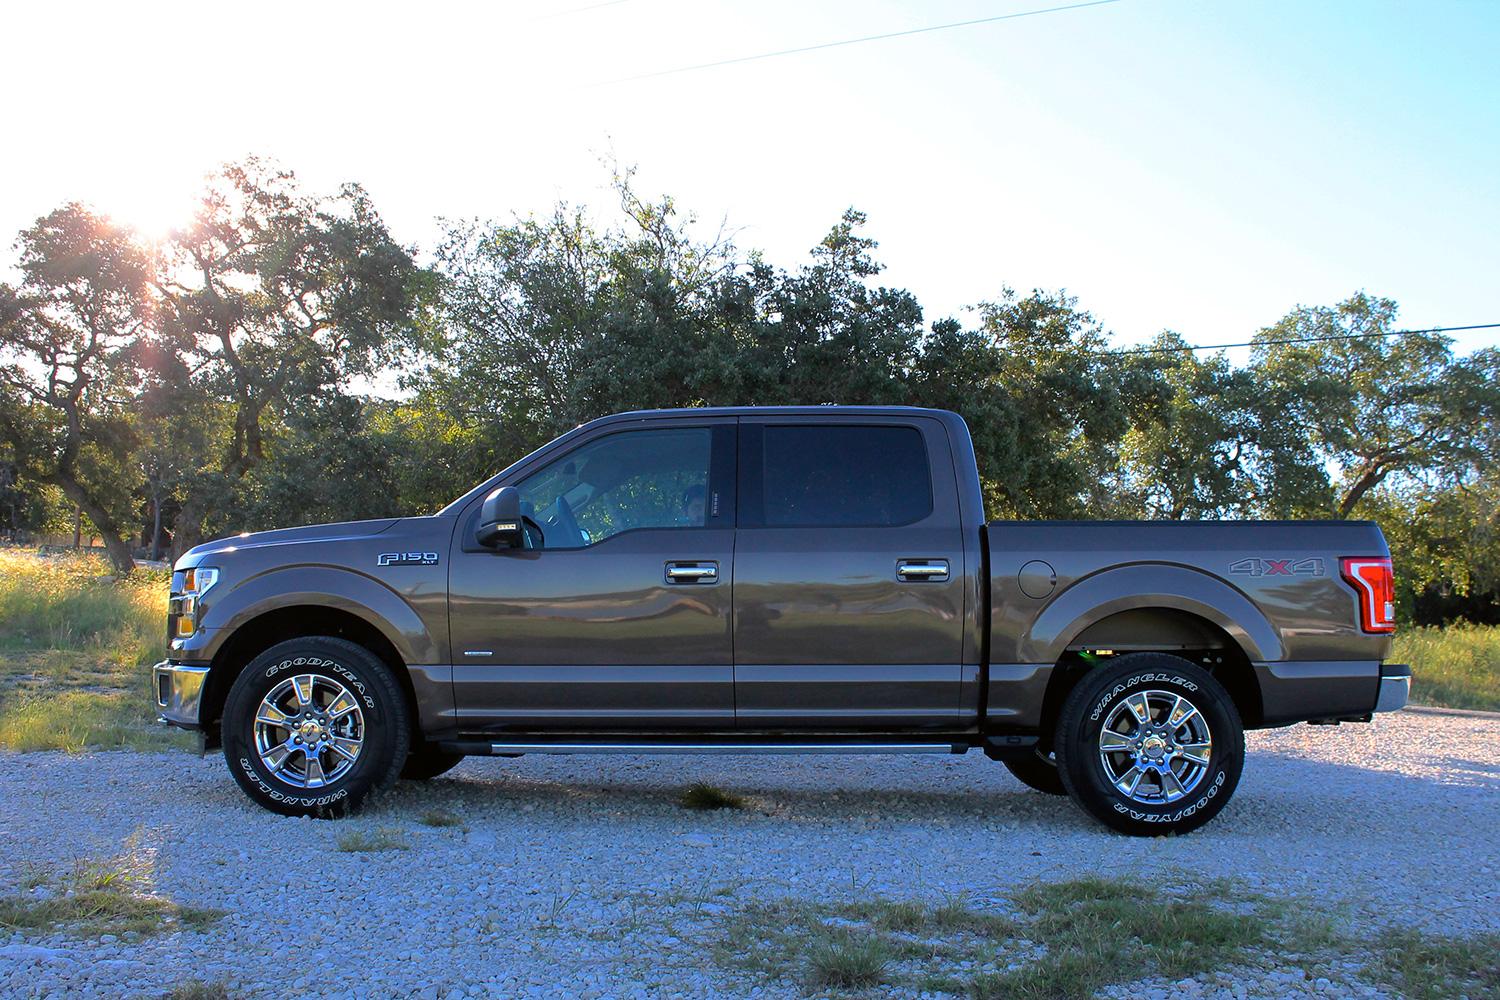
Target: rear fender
x,y
1156,585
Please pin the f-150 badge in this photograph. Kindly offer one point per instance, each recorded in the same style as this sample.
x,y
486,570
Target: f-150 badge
x,y
1277,567
406,559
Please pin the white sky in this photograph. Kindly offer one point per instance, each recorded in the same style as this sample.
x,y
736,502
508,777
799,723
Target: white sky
x,y
1184,164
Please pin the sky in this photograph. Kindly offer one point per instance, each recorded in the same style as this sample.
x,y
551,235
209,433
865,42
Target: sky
x,y
1202,166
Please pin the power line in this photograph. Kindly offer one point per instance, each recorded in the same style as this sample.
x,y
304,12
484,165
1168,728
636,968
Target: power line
x,y
1303,340
857,41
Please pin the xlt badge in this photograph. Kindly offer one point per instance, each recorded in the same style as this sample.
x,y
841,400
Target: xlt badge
x,y
406,559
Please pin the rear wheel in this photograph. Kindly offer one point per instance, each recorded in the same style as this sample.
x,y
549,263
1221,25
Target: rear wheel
x,y
1037,771
315,725
1150,744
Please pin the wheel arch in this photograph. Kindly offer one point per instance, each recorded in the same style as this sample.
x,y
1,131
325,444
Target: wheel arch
x,y
1180,633
276,625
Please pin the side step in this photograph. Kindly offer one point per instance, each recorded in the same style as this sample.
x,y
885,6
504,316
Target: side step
x,y
514,747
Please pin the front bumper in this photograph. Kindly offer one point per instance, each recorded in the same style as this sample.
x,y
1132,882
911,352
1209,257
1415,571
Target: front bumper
x,y
179,692
1395,687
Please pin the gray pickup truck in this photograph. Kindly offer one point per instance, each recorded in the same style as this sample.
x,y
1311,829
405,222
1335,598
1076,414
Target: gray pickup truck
x,y
774,580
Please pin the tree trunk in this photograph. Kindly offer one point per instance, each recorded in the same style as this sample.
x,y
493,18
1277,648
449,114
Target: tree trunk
x,y
155,525
187,529
114,544
1367,481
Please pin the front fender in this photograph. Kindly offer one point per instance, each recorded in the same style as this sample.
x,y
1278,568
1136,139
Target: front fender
x,y
1152,585
321,586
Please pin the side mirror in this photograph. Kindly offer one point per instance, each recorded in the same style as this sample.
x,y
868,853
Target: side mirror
x,y
500,519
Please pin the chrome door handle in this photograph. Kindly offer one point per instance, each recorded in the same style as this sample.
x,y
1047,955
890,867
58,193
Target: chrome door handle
x,y
692,572
935,570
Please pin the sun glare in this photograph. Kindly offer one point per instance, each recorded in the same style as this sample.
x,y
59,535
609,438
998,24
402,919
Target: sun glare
x,y
152,208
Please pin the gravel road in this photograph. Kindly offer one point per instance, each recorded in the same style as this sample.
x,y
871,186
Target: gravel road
x,y
583,876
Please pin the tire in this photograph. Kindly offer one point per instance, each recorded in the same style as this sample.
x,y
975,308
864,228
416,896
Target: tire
x,y
1036,771
425,761
1202,777
324,689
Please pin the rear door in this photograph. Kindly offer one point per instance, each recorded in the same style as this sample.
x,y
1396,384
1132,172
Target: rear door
x,y
848,587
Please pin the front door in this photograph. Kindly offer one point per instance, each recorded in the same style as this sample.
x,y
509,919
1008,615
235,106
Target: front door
x,y
849,576
619,614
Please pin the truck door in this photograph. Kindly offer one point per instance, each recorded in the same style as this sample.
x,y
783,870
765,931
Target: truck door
x,y
620,614
849,571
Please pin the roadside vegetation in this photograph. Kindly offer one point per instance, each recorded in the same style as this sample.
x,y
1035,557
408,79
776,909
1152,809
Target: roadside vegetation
x,y
703,796
95,897
1068,940
76,648
1456,667
385,838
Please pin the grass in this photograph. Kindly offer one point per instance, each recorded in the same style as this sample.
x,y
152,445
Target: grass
x,y
704,796
110,896
198,989
76,646
1062,941
1433,967
385,838
1094,927
1069,940
1455,667
440,818
846,960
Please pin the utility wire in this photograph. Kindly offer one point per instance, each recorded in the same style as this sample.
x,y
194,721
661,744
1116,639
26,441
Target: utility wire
x,y
1303,340
857,41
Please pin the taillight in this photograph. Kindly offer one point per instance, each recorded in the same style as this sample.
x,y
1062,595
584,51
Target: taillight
x,y
1372,578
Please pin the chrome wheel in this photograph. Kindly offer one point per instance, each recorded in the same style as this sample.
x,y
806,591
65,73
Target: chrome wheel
x,y
1155,747
309,731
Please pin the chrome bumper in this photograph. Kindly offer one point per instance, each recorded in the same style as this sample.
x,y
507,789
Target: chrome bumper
x,y
1395,687
179,690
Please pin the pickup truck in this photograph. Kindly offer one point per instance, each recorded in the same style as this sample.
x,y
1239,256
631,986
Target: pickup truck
x,y
774,580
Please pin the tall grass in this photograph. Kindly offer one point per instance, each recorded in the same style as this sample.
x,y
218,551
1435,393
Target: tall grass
x,y
72,602
76,645
1455,667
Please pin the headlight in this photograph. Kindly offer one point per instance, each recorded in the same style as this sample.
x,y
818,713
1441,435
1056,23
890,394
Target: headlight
x,y
199,579
184,606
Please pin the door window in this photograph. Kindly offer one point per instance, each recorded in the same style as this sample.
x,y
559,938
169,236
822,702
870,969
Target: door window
x,y
844,476
634,479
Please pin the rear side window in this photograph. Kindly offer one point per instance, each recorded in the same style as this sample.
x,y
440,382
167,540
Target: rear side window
x,y
830,475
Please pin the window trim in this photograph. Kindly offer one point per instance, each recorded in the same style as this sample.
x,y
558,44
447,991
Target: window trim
x,y
752,486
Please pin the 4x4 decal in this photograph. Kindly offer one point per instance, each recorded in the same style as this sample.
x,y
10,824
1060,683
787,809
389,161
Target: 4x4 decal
x,y
1277,567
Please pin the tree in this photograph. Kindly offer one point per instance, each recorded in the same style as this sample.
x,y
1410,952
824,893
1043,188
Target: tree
x,y
68,339
1188,451
1374,403
274,298
1057,407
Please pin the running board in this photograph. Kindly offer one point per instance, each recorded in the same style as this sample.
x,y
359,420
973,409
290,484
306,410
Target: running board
x,y
716,747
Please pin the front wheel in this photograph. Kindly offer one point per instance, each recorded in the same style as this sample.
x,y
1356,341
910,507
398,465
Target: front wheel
x,y
1150,744
313,726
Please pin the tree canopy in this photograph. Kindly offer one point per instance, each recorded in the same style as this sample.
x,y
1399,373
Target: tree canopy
x,y
283,359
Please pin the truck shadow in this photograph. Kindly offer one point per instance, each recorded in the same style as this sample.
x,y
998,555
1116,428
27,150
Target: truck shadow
x,y
1278,796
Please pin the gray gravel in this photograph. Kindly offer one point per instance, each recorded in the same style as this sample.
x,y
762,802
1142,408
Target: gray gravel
x,y
582,876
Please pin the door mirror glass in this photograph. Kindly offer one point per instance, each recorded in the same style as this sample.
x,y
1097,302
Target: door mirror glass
x,y
500,519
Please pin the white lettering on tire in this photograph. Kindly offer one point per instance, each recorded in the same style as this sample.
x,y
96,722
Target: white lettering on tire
x,y
1173,817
